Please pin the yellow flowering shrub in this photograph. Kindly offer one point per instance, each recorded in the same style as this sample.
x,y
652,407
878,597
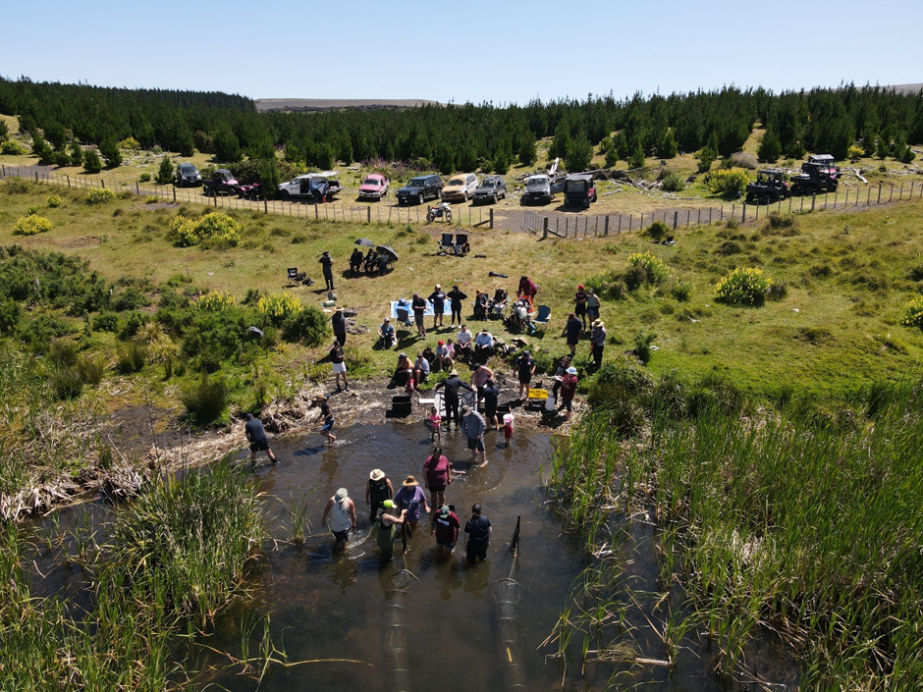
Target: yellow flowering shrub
x,y
278,307
913,313
32,224
216,301
743,287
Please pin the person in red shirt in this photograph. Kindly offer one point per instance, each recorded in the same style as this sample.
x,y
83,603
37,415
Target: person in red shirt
x,y
445,528
569,388
437,470
527,288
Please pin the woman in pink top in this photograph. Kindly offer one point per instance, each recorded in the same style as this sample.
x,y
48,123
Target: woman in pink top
x,y
437,470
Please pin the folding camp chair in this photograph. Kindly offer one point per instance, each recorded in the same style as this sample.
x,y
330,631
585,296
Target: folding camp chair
x,y
543,317
461,244
297,277
403,316
446,244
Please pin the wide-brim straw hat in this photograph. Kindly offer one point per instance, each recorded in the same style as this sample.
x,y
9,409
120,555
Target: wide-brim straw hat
x,y
377,475
410,481
598,323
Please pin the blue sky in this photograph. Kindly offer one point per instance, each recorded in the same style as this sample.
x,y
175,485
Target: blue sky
x,y
467,50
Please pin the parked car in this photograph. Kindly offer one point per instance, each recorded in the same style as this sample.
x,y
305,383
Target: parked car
x,y
420,189
318,187
492,188
375,186
538,190
579,190
187,175
459,187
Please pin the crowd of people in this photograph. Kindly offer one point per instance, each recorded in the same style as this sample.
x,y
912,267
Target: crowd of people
x,y
406,508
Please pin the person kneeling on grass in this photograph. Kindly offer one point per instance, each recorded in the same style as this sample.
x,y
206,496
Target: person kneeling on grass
x,y
256,436
342,512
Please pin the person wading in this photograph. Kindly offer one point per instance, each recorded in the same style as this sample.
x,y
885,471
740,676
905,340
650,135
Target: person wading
x,y
452,384
478,531
437,469
387,524
377,490
256,436
342,512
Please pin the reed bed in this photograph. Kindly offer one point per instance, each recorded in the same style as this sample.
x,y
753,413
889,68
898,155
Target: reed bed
x,y
173,559
809,528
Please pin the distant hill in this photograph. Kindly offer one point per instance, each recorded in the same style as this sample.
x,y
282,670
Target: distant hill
x,y
310,105
907,88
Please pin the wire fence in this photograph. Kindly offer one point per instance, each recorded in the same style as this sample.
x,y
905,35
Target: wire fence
x,y
560,225
583,226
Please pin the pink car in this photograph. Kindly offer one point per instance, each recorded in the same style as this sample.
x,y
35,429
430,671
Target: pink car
x,y
375,186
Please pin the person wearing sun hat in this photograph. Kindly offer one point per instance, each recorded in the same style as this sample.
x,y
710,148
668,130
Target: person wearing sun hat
x,y
377,489
342,512
387,522
569,388
338,322
412,498
445,528
598,341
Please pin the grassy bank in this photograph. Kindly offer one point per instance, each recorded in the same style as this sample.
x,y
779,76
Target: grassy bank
x,y
126,329
801,526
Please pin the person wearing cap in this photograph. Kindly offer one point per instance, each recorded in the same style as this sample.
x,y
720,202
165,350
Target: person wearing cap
x,y
569,388
456,298
437,470
342,512
437,298
256,436
463,341
386,334
572,330
443,359
580,298
338,322
474,426
491,396
479,378
418,305
327,266
412,498
484,345
525,368
592,304
326,415
452,384
338,360
387,523
478,531
598,341
377,489
445,528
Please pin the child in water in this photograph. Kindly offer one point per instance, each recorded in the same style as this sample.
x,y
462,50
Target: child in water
x,y
508,429
436,421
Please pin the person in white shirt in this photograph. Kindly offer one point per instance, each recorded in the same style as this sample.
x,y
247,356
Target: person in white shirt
x,y
420,369
463,344
484,346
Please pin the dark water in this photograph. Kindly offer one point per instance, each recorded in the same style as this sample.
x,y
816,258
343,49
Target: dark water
x,y
457,621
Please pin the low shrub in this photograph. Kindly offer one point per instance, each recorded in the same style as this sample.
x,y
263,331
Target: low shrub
x,y
32,225
129,143
90,370
165,171
673,182
643,346
216,301
151,199
276,308
106,322
144,178
747,287
619,379
608,285
782,225
133,322
66,383
9,315
681,290
11,148
215,226
644,268
913,313
91,161
309,326
101,196
207,401
53,201
130,299
727,183
657,231
213,337
132,357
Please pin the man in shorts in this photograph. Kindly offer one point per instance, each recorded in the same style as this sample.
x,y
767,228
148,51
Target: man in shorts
x,y
256,436
475,426
418,305
342,512
478,530
491,396
445,528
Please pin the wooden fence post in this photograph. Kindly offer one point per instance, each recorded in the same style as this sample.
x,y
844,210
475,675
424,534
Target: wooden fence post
x,y
891,196
879,194
620,225
813,200
743,215
544,227
675,219
606,226
174,194
491,217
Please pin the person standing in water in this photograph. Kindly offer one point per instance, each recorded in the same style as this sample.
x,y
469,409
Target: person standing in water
x,y
326,415
478,530
342,512
437,469
387,530
412,498
445,529
256,436
377,490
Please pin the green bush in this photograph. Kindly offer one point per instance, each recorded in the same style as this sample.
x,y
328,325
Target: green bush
x,y
657,231
913,313
309,326
11,148
213,337
54,201
609,285
100,196
9,315
131,358
619,379
276,308
681,290
747,287
165,171
144,178
31,225
207,401
62,353
110,153
129,299
91,162
706,157
673,182
90,370
133,322
76,154
644,268
643,346
727,183
213,227
66,383
106,322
